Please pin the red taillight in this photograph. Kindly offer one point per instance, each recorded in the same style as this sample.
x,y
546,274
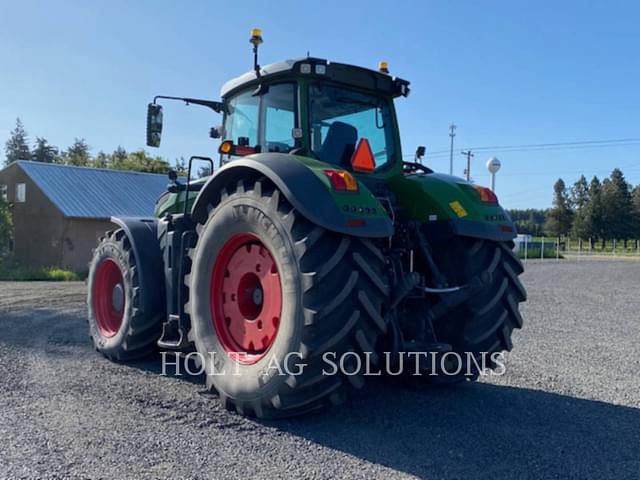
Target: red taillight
x,y
486,195
342,181
355,222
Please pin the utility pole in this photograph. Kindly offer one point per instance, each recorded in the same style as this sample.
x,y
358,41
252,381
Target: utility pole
x,y
452,133
469,156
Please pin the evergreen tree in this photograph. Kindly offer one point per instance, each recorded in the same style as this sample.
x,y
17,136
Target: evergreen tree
x,y
579,202
595,219
635,200
560,215
17,147
101,160
580,193
618,206
141,161
77,154
119,158
529,221
43,152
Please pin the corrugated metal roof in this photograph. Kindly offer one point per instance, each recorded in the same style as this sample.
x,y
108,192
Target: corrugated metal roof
x,y
83,192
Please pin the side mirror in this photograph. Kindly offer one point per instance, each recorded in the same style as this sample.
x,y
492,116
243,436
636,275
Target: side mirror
x,y
420,151
216,132
154,124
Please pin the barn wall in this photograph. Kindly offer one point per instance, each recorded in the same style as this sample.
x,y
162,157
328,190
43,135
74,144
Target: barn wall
x,y
79,239
38,223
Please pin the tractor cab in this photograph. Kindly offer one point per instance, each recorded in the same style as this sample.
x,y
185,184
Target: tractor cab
x,y
314,108
339,114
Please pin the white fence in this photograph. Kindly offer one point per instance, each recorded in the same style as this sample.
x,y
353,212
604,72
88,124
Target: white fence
x,y
545,248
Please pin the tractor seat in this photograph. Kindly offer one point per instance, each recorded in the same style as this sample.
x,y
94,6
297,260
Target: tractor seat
x,y
339,144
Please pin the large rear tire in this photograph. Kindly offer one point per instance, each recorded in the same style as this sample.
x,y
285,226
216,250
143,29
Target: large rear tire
x,y
482,325
270,292
118,326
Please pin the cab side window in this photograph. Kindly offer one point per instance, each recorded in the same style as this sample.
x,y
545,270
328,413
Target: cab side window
x,y
241,123
278,107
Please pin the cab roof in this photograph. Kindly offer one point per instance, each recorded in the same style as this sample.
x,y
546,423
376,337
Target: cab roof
x,y
319,68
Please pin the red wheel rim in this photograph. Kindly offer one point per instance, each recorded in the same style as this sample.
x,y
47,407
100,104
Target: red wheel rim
x,y
246,298
108,297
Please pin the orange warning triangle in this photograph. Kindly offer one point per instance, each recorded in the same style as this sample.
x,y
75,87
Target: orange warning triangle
x,y
362,158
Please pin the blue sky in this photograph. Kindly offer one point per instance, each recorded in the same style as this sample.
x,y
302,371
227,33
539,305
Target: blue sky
x,y
507,73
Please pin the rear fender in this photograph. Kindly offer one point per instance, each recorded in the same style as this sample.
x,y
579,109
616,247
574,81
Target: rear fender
x,y
303,183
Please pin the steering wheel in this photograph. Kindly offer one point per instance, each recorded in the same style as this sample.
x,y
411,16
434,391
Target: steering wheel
x,y
414,167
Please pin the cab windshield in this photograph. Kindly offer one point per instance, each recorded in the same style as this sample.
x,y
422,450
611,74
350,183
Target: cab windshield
x,y
341,117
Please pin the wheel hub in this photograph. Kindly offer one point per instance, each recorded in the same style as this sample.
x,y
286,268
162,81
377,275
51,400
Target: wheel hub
x,y
117,298
246,298
257,296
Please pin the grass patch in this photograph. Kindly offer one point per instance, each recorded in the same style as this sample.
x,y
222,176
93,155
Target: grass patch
x,y
53,274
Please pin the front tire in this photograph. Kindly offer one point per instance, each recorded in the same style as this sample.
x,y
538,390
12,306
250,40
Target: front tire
x,y
118,326
326,291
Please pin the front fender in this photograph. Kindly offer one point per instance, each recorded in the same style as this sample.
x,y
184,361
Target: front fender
x,y
306,187
143,237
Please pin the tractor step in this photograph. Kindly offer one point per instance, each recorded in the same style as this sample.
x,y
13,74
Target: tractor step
x,y
173,335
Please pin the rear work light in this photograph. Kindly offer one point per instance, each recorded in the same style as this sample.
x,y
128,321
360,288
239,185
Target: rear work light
x,y
486,195
342,181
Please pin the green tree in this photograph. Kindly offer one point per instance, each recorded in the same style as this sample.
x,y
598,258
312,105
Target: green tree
x,y
529,221
579,203
101,160
17,147
77,154
43,152
635,200
617,206
595,225
141,161
119,159
580,193
559,217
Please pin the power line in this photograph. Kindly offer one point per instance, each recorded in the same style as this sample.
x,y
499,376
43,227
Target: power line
x,y
620,142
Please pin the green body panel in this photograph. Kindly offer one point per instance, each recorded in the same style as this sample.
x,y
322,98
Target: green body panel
x,y
431,197
424,197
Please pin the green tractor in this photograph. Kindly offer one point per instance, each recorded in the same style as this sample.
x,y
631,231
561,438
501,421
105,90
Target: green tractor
x,y
314,255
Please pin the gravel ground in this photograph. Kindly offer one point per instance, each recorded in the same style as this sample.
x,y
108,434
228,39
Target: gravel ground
x,y
567,407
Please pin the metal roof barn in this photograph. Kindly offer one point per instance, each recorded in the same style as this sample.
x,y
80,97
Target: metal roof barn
x,y
60,211
82,192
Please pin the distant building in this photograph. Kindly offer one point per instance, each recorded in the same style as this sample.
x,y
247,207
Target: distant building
x,y
60,211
